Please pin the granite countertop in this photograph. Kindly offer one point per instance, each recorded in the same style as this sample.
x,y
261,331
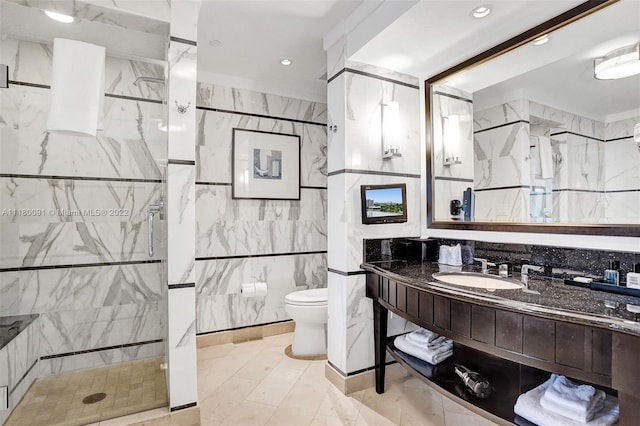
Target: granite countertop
x,y
550,298
11,326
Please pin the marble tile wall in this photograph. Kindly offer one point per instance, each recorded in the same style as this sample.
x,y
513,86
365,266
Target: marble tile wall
x,y
450,182
290,236
354,104
73,234
19,365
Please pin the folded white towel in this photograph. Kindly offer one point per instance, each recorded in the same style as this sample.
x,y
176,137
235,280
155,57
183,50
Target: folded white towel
x,y
422,335
528,406
578,402
432,356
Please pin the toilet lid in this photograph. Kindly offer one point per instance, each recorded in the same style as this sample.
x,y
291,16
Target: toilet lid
x,y
313,296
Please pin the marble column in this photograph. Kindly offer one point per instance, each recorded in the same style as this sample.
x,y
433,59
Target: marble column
x,y
356,93
181,312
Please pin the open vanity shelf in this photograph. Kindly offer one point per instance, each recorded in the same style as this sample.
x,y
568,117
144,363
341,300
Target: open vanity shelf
x,y
516,350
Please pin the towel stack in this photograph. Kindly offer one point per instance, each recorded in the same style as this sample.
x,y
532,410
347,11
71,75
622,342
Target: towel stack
x,y
560,401
425,345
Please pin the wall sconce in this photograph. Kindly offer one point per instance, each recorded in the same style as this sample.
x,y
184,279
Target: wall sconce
x,y
620,63
390,119
451,140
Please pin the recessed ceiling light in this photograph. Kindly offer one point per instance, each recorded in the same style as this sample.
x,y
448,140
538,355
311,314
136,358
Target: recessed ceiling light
x,y
481,12
543,39
60,17
285,62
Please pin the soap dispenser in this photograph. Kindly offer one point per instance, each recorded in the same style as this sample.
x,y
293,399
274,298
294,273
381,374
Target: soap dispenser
x,y
611,275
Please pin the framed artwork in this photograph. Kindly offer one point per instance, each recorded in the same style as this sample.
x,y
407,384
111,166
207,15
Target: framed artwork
x,y
265,165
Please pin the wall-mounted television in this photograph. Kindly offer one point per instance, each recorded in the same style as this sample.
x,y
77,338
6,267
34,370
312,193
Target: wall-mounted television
x,y
384,203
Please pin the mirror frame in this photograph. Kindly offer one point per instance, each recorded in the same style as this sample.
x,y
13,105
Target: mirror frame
x,y
565,18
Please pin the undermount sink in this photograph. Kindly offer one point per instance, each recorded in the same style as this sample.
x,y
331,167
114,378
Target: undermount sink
x,y
473,279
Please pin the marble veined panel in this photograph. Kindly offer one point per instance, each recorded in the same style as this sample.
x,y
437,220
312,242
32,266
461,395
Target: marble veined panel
x,y
568,121
65,200
63,289
501,157
127,148
30,62
365,97
621,128
91,328
588,207
503,205
21,353
445,191
622,207
585,163
252,102
62,243
445,106
621,165
507,112
182,100
220,304
181,217
214,147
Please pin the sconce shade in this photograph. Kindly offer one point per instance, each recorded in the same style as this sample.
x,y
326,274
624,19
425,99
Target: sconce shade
x,y
620,63
390,136
451,140
77,88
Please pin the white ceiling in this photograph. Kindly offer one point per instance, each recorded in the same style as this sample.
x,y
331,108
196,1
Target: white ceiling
x,y
255,35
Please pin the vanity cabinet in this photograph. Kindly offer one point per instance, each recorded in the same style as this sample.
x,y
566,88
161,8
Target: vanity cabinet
x,y
547,343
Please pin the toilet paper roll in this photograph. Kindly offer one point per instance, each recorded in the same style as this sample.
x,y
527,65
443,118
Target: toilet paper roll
x,y
253,289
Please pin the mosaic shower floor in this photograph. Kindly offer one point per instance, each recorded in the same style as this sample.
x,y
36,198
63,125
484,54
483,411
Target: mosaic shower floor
x,y
58,400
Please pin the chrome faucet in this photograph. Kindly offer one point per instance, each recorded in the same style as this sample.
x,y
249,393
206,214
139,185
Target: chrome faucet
x,y
485,264
524,272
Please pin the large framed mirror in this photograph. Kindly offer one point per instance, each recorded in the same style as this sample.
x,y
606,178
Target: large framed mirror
x,y
526,138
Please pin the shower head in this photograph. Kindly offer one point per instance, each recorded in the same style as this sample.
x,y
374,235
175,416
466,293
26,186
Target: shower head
x,y
149,80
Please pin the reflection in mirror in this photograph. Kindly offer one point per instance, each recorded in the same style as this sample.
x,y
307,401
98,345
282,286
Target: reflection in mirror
x,y
539,139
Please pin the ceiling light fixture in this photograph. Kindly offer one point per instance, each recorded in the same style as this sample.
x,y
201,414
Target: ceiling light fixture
x,y
620,63
285,62
539,41
60,17
481,12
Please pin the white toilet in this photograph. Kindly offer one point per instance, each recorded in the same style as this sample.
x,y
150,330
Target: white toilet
x,y
308,308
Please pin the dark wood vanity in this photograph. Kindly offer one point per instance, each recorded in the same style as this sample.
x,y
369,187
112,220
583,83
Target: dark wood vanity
x,y
527,344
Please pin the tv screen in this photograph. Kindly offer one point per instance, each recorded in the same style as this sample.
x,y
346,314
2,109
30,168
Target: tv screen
x,y
384,203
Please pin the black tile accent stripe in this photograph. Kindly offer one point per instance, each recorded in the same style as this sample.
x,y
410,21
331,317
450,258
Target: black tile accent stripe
x,y
621,138
353,373
498,188
456,97
182,162
214,183
24,83
615,191
183,40
183,407
246,256
205,333
106,348
23,377
348,273
78,265
453,179
133,98
108,95
377,77
372,172
511,123
89,178
250,114
185,285
566,132
312,187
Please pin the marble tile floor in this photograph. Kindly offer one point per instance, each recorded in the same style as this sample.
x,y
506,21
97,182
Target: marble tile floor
x,y
255,383
57,400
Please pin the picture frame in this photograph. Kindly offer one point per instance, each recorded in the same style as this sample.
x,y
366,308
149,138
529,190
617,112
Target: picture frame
x,y
265,165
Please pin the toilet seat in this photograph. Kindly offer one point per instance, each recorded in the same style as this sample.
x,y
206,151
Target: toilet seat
x,y
311,297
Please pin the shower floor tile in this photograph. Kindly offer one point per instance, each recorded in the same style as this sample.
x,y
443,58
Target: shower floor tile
x,y
57,400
